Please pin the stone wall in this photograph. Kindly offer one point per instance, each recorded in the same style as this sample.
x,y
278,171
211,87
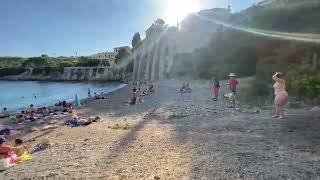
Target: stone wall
x,y
76,74
93,73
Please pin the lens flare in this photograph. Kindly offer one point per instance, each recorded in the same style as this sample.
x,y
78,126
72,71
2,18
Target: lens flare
x,y
312,38
177,10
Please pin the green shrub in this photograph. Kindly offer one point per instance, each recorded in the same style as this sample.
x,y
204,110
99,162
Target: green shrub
x,y
88,62
306,86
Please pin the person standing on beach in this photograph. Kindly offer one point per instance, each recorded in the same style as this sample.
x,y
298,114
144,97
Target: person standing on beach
x,y
216,87
281,95
89,92
233,83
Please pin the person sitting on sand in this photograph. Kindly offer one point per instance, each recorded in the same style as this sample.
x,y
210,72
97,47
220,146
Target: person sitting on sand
x,y
31,109
45,111
21,148
145,92
188,89
133,101
20,119
183,88
70,109
138,96
6,150
5,113
281,95
59,103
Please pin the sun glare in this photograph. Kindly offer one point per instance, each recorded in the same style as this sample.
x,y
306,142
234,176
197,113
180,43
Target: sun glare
x,y
179,9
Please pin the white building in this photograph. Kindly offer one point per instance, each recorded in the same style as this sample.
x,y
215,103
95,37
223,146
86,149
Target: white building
x,y
108,56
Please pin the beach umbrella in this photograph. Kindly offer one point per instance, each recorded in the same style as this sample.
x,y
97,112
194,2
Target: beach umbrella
x,y
77,102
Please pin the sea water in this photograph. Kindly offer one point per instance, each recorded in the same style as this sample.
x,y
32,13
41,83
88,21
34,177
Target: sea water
x,y
17,95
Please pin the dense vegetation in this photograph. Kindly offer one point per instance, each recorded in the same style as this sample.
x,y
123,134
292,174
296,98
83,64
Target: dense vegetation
x,y
44,65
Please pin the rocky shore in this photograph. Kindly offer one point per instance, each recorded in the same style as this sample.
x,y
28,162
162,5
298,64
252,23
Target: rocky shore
x,y
176,136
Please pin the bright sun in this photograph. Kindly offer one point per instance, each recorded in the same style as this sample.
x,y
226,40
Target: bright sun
x,y
179,9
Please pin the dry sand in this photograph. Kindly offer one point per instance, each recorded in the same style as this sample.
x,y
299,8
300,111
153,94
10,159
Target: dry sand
x,y
175,136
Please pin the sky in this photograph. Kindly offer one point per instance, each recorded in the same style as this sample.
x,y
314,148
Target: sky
x,y
83,27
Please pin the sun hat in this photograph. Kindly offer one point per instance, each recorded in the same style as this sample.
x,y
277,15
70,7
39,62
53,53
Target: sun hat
x,y
232,75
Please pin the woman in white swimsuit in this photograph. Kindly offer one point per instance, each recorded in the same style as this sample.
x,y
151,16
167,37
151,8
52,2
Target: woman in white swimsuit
x,y
281,95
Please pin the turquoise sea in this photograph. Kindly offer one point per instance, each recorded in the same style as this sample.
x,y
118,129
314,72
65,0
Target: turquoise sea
x,y
17,95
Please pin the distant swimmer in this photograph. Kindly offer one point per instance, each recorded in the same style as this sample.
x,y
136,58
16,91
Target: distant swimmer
x,y
89,92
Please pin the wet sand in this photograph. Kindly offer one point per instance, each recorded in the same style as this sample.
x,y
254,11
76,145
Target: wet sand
x,y
177,136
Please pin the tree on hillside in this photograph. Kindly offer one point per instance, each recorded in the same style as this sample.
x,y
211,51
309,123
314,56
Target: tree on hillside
x,y
136,40
123,53
159,22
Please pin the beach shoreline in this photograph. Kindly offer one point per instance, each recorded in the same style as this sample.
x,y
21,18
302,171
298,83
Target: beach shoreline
x,y
51,104
176,136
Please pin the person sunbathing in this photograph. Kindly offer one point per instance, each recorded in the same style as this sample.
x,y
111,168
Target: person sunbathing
x,y
185,88
5,113
78,121
31,109
6,150
20,119
45,111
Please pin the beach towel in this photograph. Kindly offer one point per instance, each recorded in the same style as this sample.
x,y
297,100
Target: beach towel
x,y
38,148
25,157
8,162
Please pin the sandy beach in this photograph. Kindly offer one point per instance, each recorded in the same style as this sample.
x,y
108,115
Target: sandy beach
x,y
176,136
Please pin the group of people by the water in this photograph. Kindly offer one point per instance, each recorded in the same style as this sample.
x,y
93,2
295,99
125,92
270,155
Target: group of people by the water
x,y
281,95
138,94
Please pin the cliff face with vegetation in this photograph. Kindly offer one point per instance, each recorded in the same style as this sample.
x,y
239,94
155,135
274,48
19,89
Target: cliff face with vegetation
x,y
249,55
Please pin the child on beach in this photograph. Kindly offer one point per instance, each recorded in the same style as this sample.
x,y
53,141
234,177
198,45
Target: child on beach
x,y
21,148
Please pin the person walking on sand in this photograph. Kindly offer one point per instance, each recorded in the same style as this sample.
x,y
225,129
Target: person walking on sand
x,y
216,87
233,83
281,95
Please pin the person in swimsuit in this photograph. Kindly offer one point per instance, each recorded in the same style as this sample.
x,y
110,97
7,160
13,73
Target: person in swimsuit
x,y
5,150
233,83
281,95
21,147
4,113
